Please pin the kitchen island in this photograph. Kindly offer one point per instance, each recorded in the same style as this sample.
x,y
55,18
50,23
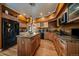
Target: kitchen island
x,y
27,43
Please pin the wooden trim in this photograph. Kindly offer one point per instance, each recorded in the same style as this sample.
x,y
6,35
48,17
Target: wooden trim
x,y
63,8
60,8
11,12
0,26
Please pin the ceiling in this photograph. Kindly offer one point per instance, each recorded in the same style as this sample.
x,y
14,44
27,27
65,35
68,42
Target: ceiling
x,y
33,10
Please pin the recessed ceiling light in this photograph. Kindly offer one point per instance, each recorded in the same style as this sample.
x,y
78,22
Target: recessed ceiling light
x,y
41,14
6,12
19,15
24,14
42,18
49,12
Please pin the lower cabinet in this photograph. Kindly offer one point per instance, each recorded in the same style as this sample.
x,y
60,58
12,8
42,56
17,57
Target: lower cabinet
x,y
73,48
28,46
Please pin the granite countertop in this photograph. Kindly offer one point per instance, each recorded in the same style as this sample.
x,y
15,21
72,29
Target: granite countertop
x,y
26,34
64,38
68,37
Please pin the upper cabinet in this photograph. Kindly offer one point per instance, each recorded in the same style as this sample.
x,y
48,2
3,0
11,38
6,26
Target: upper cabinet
x,y
73,11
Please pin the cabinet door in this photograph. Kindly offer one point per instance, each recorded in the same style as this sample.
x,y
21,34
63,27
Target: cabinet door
x,y
27,47
24,47
38,40
72,48
35,43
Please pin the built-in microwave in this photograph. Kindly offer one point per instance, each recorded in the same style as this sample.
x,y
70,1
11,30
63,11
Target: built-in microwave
x,y
64,18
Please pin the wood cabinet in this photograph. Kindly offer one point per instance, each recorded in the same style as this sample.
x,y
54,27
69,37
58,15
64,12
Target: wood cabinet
x,y
24,47
35,44
73,12
72,47
28,46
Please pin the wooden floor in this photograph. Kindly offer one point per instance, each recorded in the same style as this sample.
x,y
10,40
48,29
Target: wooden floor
x,y
46,49
9,52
